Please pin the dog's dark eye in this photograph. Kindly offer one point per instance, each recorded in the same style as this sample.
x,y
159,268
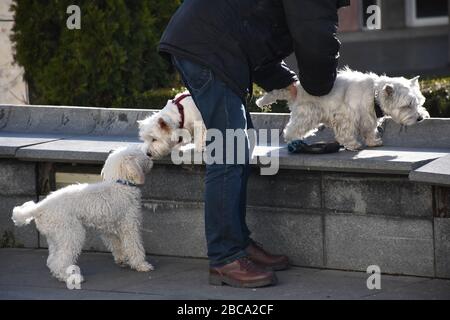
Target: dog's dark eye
x,y
154,140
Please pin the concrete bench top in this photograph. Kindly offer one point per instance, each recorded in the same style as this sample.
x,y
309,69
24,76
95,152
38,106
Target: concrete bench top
x,y
95,149
87,135
436,172
11,142
77,149
382,160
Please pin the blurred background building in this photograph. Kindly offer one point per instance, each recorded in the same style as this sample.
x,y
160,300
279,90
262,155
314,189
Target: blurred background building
x,y
414,37
13,89
413,40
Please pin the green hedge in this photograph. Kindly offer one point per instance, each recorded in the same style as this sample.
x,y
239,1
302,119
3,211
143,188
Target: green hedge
x,y
111,61
437,92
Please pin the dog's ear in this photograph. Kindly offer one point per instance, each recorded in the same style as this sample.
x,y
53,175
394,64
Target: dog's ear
x,y
133,171
415,81
163,125
389,90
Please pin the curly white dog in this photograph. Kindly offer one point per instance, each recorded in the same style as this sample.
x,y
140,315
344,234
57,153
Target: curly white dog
x,y
353,107
112,207
163,131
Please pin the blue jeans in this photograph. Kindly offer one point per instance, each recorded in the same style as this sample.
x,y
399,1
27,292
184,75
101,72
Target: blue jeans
x,y
227,234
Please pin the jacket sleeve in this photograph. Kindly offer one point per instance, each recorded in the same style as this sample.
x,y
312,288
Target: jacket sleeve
x,y
274,76
313,27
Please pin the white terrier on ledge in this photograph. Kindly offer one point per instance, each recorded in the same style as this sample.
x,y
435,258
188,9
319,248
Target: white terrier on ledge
x,y
112,207
353,107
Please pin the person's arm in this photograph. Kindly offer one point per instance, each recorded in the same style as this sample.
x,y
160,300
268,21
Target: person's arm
x,y
313,27
274,76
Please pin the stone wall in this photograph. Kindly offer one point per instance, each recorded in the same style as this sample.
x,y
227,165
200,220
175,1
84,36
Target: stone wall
x,y
17,185
320,219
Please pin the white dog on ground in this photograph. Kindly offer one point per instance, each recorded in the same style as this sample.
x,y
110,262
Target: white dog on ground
x,y
163,131
112,207
350,109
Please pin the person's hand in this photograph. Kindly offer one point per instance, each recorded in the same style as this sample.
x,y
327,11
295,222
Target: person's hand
x,y
293,91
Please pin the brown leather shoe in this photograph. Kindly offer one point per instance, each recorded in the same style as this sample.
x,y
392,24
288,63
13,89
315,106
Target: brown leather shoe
x,y
266,260
242,273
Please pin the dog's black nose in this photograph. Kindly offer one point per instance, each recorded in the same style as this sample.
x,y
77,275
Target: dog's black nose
x,y
420,118
149,154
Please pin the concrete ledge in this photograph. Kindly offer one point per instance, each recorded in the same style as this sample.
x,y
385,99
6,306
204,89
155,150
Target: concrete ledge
x,y
435,173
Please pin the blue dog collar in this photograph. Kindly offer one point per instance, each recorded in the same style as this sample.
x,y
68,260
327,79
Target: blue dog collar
x,y
126,183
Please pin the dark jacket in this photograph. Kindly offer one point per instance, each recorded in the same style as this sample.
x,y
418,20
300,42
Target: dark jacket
x,y
245,41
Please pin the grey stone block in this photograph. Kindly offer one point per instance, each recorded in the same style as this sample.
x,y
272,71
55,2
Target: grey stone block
x,y
298,234
442,246
382,160
10,235
11,142
430,133
79,149
287,189
46,119
436,172
175,229
177,183
373,194
398,246
17,178
113,122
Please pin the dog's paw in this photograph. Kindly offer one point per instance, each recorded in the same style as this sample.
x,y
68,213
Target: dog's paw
x,y
374,143
121,263
144,267
353,147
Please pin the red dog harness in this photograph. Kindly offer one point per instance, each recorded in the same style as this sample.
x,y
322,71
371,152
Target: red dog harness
x,y
177,101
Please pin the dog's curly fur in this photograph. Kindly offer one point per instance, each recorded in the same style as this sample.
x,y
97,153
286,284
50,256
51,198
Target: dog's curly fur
x,y
110,207
349,108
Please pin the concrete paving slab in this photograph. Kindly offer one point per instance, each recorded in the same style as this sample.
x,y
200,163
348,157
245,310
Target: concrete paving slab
x,y
436,172
23,275
80,149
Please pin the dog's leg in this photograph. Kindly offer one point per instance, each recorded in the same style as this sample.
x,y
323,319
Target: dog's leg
x,y
69,243
346,132
131,240
303,119
112,242
372,138
369,130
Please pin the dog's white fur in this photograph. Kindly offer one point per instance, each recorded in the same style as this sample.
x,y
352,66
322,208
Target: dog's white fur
x,y
111,208
161,131
349,108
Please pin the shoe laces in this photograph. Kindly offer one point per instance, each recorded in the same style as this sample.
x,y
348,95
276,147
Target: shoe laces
x,y
248,265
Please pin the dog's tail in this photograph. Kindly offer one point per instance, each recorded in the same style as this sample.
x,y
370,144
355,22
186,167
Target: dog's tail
x,y
24,214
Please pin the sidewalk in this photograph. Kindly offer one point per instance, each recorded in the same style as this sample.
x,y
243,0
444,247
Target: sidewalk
x,y
24,275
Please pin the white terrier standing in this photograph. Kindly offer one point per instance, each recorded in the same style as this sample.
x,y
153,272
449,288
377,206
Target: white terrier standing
x,y
161,131
350,108
112,207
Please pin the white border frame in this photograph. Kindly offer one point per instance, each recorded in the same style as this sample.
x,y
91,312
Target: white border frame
x,y
413,21
362,23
